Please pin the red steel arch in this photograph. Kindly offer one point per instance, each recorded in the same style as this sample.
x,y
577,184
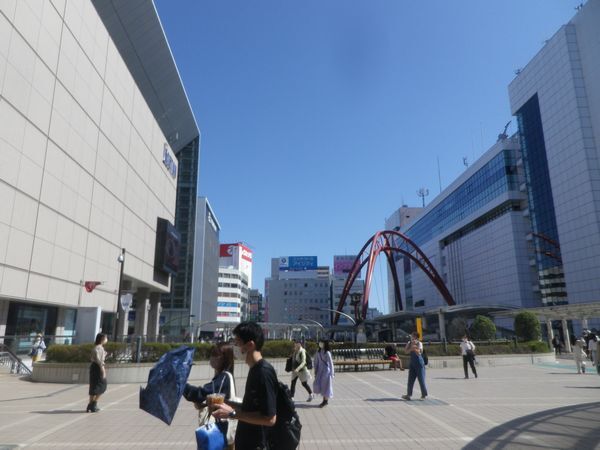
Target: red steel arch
x,y
388,242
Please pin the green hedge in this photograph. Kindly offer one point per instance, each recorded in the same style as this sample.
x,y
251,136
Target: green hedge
x,y
151,352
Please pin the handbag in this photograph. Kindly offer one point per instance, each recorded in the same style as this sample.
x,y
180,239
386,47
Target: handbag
x,y
209,437
289,364
205,418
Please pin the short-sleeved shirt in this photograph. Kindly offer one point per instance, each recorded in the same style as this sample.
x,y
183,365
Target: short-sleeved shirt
x,y
261,396
98,355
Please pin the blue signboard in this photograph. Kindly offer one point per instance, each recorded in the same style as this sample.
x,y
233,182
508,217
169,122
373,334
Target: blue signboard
x,y
298,263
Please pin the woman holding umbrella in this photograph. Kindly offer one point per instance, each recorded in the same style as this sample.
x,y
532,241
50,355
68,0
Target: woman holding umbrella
x,y
97,373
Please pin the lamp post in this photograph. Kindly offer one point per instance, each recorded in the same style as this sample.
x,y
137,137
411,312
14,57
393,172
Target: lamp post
x,y
347,316
316,323
121,260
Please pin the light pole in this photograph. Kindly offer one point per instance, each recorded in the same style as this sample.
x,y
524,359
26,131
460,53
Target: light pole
x,y
347,316
316,323
121,259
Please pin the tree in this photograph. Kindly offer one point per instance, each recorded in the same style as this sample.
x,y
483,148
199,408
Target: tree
x,y
527,326
457,328
482,329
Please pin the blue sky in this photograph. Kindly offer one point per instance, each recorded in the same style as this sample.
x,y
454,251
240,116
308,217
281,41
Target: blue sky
x,y
319,118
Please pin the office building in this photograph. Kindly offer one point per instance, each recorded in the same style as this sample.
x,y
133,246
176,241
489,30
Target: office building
x,y
298,289
93,114
255,306
206,270
235,280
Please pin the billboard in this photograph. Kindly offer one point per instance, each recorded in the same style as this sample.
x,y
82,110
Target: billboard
x,y
166,253
298,263
229,250
342,265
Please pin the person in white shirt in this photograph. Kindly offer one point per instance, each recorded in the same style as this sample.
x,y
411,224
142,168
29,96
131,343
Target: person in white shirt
x,y
467,350
579,355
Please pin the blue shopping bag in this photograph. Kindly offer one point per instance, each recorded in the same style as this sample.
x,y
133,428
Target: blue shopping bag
x,y
209,437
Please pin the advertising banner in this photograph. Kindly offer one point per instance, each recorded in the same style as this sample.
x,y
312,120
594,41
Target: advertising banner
x,y
342,265
298,263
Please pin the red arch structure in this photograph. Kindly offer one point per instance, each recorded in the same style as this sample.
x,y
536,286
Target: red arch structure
x,y
388,242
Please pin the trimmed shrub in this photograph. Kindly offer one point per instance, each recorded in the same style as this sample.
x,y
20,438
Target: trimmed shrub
x,y
527,326
457,328
482,329
281,348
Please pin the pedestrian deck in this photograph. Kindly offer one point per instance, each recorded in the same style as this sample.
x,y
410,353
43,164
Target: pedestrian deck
x,y
524,406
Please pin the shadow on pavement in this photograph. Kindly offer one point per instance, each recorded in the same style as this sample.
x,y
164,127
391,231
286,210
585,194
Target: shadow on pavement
x,y
40,396
582,387
575,426
61,411
388,399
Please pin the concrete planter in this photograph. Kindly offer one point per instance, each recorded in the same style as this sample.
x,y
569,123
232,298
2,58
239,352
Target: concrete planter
x,y
78,373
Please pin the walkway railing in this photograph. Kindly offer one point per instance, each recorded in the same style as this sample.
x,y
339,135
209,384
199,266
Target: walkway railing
x,y
12,361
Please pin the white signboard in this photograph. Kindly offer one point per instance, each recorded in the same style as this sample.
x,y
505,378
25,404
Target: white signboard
x,y
126,300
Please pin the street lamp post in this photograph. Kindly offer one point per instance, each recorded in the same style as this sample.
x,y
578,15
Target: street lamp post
x,y
121,260
316,323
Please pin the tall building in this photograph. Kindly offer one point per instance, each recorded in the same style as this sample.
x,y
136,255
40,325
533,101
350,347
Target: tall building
x,y
559,126
235,278
476,235
93,113
298,289
255,306
342,265
206,270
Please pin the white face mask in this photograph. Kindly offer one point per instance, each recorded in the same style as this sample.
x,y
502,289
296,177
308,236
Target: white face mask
x,y
238,354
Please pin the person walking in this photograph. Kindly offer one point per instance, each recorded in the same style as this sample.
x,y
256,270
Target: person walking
x,y
258,410
300,370
467,350
556,344
416,368
222,361
579,355
37,348
593,348
97,373
324,373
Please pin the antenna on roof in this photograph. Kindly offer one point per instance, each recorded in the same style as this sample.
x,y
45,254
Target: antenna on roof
x,y
423,192
465,161
502,136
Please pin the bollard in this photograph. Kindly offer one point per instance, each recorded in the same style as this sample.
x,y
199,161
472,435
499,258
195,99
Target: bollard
x,y
445,346
138,349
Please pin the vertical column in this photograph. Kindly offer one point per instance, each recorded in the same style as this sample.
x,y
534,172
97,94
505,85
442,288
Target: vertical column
x,y
565,329
584,323
442,325
550,332
142,304
122,322
3,318
154,316
60,327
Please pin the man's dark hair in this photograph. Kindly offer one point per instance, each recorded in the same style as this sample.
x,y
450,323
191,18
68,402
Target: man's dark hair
x,y
250,331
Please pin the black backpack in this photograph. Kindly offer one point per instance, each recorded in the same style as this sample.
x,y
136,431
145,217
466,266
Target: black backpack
x,y
285,434
309,364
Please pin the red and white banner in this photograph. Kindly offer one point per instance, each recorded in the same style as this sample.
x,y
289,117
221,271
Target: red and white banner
x,y
91,285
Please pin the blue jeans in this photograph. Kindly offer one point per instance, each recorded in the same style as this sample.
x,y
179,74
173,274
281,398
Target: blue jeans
x,y
416,371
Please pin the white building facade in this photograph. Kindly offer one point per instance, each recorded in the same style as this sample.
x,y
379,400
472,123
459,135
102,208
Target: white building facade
x,y
556,99
235,280
86,170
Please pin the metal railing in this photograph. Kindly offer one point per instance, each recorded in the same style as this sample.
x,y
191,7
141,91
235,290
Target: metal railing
x,y
9,359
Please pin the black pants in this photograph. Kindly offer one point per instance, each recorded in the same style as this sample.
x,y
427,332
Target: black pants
x,y
471,361
304,383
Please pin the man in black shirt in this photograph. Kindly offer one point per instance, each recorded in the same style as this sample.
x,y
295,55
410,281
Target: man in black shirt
x,y
259,407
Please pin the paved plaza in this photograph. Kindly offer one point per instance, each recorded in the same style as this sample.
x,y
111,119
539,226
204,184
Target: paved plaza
x,y
528,406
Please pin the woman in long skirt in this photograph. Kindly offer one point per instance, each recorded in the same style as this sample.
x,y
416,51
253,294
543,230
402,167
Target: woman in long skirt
x,y
324,373
97,373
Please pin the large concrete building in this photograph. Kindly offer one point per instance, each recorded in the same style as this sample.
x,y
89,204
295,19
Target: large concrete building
x,y
298,289
92,114
559,125
206,270
521,226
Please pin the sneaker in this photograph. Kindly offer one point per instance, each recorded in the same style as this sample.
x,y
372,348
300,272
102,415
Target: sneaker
x,y
405,397
323,404
310,397
423,397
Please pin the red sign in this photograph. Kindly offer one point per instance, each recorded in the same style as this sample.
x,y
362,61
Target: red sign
x,y
227,251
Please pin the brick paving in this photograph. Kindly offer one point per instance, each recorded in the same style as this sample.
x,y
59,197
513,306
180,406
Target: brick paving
x,y
527,406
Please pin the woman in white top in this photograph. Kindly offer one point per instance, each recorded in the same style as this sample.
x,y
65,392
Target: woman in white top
x,y
38,347
300,370
467,350
579,355
97,373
